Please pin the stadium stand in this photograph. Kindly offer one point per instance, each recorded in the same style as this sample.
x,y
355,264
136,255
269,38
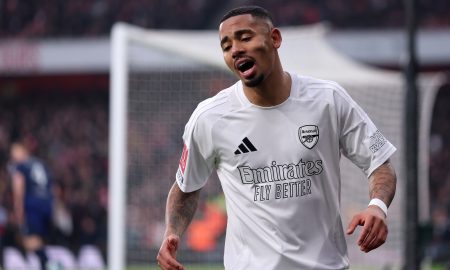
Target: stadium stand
x,y
55,18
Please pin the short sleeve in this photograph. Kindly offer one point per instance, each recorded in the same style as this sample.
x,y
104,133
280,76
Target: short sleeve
x,y
359,139
17,168
197,159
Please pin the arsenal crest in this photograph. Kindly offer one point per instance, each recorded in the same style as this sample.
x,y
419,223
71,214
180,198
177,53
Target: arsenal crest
x,y
308,135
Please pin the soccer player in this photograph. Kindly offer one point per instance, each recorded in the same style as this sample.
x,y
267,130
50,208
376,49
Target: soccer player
x,y
275,139
32,200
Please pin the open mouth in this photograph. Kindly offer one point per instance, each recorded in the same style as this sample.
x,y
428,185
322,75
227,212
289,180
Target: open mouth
x,y
245,65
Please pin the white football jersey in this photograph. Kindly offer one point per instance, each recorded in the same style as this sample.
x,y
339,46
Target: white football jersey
x,y
279,170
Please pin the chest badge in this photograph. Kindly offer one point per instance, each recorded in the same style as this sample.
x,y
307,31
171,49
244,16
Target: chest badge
x,y
308,135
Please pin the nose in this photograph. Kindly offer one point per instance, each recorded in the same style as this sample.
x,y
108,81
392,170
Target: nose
x,y
236,50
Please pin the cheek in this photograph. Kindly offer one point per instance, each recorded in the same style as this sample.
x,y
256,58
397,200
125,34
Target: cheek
x,y
259,46
262,50
228,60
262,43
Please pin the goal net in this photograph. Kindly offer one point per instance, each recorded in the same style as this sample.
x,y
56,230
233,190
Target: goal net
x,y
158,78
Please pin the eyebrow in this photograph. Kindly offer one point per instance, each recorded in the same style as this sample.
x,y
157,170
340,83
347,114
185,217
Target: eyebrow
x,y
237,34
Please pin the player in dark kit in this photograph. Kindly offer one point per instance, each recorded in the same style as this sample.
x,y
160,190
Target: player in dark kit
x,y
33,199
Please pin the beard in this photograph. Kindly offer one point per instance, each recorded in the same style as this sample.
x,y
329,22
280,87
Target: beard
x,y
253,82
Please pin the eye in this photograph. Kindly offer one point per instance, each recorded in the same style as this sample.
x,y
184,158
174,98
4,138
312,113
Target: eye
x,y
246,38
226,48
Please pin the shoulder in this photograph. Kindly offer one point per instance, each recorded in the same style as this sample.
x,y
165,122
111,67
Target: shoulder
x,y
320,89
310,86
36,160
22,167
213,108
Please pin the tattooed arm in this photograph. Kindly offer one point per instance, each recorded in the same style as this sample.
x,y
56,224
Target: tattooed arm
x,y
180,210
382,186
383,182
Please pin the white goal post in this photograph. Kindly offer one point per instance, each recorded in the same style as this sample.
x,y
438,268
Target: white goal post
x,y
304,51
117,148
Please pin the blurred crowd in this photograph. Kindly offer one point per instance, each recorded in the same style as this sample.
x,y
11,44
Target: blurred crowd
x,y
57,18
69,133
439,248
81,18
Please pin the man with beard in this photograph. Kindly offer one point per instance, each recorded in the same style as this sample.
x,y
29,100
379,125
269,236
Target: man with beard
x,y
275,139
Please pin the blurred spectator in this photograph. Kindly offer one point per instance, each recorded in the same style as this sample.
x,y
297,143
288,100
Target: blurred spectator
x,y
77,18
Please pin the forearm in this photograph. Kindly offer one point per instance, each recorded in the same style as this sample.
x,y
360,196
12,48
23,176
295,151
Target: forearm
x,y
383,183
180,210
18,188
18,210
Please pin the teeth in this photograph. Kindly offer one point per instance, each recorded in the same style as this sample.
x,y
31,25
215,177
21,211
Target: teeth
x,y
241,65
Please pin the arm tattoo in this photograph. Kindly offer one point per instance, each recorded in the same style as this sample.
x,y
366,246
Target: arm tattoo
x,y
180,210
382,183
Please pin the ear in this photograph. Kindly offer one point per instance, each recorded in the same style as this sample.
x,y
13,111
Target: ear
x,y
275,34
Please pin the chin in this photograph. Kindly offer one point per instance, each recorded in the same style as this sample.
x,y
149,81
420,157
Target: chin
x,y
255,81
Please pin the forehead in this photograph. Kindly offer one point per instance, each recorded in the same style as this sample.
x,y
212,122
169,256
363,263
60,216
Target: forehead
x,y
236,23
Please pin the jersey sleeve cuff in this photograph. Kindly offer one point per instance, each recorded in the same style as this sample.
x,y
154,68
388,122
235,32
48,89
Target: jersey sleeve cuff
x,y
180,179
379,160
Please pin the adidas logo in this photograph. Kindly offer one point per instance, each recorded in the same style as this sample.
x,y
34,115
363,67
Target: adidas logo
x,y
245,147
